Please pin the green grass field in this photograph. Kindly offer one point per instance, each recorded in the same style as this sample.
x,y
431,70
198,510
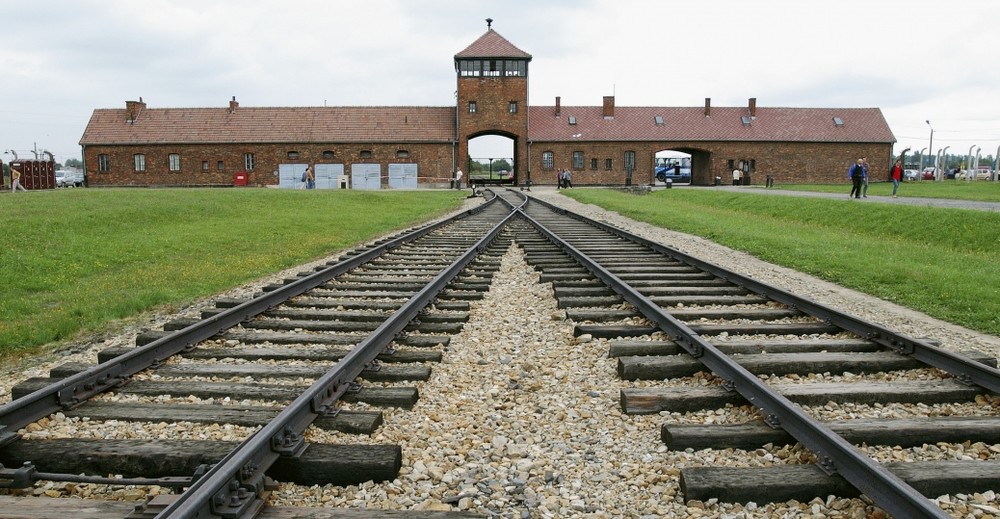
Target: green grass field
x,y
75,260
978,190
943,262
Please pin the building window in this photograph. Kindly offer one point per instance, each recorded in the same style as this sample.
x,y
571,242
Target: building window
x,y
365,154
220,165
572,119
577,160
103,163
140,161
469,68
472,107
515,68
248,162
608,164
491,68
293,155
204,165
402,154
328,154
593,163
174,162
548,160
512,107
630,160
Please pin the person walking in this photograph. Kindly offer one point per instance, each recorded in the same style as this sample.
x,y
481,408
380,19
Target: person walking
x,y
864,182
458,179
737,176
559,179
310,178
567,179
896,174
15,181
857,175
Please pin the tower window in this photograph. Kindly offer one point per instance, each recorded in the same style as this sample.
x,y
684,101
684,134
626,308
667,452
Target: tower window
x,y
472,107
512,107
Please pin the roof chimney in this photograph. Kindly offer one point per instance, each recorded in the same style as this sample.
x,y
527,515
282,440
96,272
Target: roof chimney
x,y
132,109
558,108
233,105
708,106
609,106
753,107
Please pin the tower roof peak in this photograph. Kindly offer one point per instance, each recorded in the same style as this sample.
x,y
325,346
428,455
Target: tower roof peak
x,y
492,45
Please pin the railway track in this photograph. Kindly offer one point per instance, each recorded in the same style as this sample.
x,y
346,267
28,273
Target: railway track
x,y
670,319
289,356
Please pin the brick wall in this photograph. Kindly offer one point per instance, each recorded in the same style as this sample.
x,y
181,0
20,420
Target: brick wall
x,y
493,96
434,162
807,163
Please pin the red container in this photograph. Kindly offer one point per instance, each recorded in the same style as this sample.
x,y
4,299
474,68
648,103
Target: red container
x,y
240,178
36,174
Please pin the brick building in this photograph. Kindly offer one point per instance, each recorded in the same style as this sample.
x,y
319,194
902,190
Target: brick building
x,y
417,146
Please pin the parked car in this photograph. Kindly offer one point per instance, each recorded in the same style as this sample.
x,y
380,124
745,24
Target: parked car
x,y
67,178
911,175
928,175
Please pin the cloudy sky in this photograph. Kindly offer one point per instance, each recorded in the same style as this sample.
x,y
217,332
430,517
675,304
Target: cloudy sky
x,y
916,60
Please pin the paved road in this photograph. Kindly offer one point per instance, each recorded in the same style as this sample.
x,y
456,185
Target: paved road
x,y
927,202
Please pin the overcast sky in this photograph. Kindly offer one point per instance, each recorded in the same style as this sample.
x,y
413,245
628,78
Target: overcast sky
x,y
916,60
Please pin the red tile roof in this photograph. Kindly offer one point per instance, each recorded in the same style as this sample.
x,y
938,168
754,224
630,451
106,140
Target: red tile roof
x,y
724,124
437,124
492,45
272,125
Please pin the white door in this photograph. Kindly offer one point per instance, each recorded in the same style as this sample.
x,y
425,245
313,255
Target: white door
x,y
290,175
403,176
327,175
366,176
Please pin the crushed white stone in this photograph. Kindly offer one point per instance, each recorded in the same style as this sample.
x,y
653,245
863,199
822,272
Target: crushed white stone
x,y
521,419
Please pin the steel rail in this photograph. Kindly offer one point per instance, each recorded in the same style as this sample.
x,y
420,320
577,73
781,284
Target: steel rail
x,y
835,454
962,368
74,390
233,487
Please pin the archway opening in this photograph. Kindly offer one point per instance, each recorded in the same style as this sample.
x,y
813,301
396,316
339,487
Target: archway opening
x,y
673,166
491,160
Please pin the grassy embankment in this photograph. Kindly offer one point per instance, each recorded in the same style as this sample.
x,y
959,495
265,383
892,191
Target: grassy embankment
x,y
978,190
76,260
943,262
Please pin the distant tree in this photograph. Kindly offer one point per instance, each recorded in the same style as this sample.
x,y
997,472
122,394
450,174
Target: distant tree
x,y
501,164
74,163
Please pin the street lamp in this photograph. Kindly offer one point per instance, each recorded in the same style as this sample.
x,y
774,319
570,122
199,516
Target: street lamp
x,y
930,145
